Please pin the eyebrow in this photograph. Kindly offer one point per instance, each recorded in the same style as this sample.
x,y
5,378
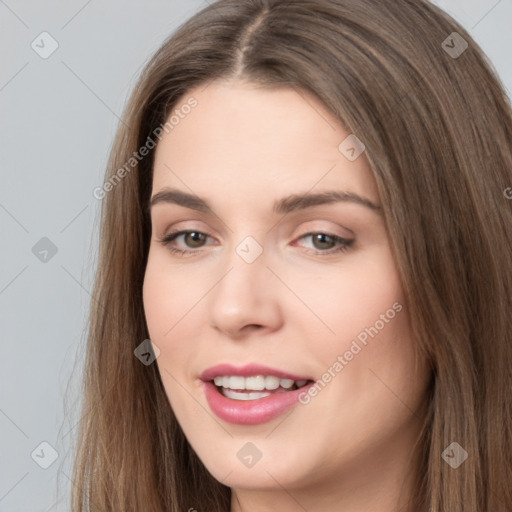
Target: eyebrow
x,y
285,205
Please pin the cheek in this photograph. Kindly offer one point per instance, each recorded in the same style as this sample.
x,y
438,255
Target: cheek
x,y
167,295
171,307
355,296
156,300
162,314
365,322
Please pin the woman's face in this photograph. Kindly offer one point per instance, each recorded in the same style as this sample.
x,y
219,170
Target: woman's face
x,y
305,287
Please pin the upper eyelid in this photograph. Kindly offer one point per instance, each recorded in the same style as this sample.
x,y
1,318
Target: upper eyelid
x,y
342,244
327,230
180,232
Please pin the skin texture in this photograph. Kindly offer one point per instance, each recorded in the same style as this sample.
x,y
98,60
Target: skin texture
x,y
241,148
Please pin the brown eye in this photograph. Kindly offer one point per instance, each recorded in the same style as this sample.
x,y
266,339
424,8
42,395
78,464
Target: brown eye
x,y
194,239
184,242
323,241
325,244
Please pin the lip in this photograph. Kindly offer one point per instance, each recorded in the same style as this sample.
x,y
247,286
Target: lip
x,y
250,412
249,370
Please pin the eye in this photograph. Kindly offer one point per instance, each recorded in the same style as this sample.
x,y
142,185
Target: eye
x,y
193,239
326,244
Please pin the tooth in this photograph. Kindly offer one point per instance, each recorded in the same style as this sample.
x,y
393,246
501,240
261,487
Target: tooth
x,y
255,396
255,383
236,382
286,383
271,382
236,395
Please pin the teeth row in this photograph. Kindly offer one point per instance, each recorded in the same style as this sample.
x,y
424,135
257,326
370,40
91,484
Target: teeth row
x,y
237,395
256,383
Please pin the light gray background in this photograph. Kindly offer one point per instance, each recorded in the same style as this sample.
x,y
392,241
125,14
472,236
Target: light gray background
x,y
58,118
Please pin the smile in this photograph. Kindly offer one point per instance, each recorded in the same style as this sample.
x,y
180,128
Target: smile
x,y
252,394
245,388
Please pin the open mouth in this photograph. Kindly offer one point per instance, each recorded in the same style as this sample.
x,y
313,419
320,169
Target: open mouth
x,y
254,388
254,399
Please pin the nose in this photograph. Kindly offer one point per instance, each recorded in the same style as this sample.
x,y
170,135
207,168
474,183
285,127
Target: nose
x,y
245,299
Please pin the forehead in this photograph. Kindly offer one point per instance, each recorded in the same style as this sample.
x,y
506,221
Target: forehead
x,y
242,140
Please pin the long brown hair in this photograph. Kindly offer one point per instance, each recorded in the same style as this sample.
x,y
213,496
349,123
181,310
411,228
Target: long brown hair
x,y
437,127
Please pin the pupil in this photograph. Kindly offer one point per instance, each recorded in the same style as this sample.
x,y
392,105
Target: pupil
x,y
196,239
321,238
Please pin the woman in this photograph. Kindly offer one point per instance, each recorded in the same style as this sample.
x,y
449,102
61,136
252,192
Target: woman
x,y
307,211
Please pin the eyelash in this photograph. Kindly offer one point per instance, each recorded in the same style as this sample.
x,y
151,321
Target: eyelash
x,y
345,243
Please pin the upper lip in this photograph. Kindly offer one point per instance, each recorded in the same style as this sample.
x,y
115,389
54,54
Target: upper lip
x,y
248,370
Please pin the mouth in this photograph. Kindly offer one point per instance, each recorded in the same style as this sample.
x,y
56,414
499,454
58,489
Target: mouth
x,y
252,394
236,387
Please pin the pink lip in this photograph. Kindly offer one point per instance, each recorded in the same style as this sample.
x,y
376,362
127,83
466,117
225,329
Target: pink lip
x,y
249,412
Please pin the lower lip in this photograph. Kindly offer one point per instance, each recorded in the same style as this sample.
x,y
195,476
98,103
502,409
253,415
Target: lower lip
x,y
250,412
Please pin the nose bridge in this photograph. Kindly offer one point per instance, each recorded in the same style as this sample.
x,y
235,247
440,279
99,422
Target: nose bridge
x,y
246,294
247,277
